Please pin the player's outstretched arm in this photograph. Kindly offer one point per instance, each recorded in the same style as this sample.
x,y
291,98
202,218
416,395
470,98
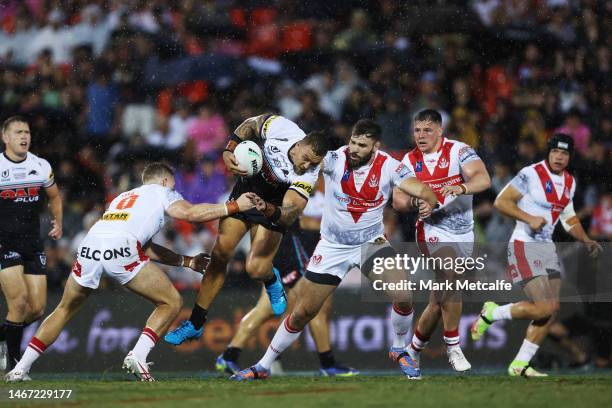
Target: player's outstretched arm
x,y
507,203
293,205
163,255
572,225
55,205
184,210
477,176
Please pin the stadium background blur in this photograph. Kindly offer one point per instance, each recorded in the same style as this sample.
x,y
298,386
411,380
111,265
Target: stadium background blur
x,y
110,85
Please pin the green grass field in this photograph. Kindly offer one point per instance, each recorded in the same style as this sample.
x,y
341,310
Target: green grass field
x,y
371,391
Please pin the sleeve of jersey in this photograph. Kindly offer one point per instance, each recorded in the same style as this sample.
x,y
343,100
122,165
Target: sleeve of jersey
x,y
520,182
50,180
305,184
399,171
567,213
467,154
170,197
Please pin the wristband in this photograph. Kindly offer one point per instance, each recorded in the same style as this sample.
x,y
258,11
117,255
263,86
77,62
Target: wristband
x,y
185,258
231,208
232,143
463,188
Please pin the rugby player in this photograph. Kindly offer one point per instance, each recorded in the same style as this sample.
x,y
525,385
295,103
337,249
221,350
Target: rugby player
x,y
290,170
358,183
455,172
115,247
23,178
537,198
292,260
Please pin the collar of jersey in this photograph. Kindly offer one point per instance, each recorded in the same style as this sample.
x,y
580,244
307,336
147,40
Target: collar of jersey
x,y
13,161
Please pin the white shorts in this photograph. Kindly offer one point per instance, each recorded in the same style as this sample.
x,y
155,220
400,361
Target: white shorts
x,y
431,239
116,256
526,260
337,260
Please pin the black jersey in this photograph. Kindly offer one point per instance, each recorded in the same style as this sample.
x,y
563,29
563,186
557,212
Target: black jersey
x,y
20,195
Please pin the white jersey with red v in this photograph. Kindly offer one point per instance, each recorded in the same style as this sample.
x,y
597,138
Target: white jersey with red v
x,y
545,194
440,169
355,198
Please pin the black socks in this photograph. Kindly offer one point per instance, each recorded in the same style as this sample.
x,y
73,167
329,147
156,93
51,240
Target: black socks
x,y
13,333
327,359
198,316
232,354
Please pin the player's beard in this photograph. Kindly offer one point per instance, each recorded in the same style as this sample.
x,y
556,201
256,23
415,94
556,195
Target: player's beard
x,y
356,163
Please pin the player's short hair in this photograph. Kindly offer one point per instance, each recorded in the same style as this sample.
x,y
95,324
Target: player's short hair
x,y
156,170
13,119
367,127
319,143
429,115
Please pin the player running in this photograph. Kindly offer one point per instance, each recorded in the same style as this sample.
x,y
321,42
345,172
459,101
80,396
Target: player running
x,y
358,182
455,172
23,178
115,247
537,198
292,259
290,169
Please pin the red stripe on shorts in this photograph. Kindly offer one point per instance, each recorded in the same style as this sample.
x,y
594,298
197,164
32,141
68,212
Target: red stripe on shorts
x,y
521,260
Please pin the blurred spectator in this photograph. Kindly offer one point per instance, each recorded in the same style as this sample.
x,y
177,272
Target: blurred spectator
x,y
577,129
207,131
358,35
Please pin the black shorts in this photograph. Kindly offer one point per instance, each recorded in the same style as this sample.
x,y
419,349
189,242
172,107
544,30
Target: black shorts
x,y
28,252
269,193
294,253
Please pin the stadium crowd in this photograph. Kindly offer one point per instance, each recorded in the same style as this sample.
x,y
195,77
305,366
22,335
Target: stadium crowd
x,y
110,85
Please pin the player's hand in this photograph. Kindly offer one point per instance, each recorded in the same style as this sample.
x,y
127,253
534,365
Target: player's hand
x,y
425,209
200,262
232,164
56,230
451,190
246,201
260,204
594,248
537,223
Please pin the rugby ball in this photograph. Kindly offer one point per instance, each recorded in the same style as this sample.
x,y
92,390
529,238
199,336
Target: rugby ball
x,y
249,157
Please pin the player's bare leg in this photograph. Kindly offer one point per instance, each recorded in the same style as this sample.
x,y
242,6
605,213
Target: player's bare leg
x,y
264,245
72,300
541,308
231,231
311,299
152,284
15,292
37,297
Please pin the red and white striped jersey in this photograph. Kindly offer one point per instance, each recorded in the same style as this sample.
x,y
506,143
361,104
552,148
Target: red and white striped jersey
x,y
444,168
355,198
545,194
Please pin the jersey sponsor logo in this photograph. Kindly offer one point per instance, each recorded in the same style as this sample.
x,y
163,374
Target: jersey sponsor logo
x,y
29,194
549,187
33,173
302,186
108,254
274,149
346,175
418,167
437,185
19,176
120,216
266,125
316,259
11,255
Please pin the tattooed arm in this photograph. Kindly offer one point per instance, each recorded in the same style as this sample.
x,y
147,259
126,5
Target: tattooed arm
x,y
293,206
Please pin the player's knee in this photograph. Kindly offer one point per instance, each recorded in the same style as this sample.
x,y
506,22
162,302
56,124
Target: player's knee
x,y
545,310
175,302
300,317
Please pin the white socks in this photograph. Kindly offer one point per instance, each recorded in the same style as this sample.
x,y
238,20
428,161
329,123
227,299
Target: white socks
x,y
418,344
31,354
402,325
527,351
284,337
503,312
145,343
